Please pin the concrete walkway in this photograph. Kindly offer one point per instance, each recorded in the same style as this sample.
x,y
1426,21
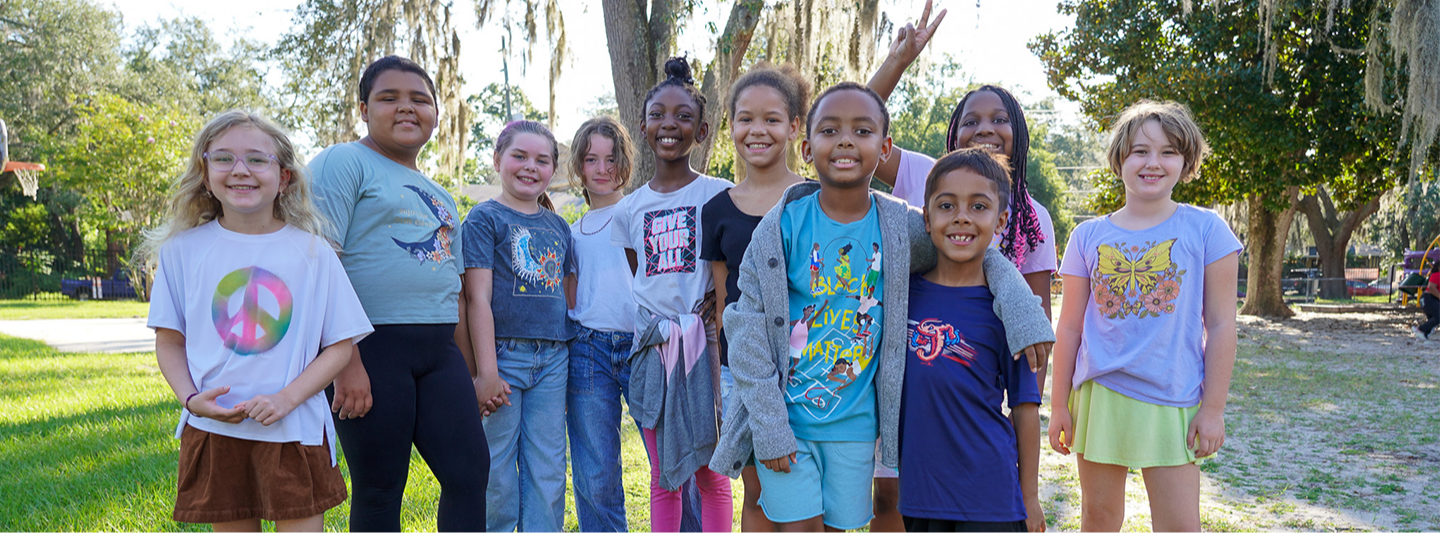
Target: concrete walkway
x,y
112,335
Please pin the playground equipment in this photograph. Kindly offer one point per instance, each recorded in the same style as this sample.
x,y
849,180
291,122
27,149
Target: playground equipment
x,y
1414,269
27,173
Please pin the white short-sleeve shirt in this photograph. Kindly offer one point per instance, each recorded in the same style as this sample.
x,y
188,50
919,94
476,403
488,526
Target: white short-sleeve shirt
x,y
255,311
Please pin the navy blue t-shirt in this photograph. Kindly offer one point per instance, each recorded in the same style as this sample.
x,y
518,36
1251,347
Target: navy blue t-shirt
x,y
529,256
958,459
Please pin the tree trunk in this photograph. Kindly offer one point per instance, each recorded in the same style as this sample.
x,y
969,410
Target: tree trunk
x,y
633,70
1332,234
1267,233
729,52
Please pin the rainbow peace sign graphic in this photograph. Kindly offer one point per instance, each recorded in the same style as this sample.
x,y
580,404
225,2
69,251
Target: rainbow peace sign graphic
x,y
252,329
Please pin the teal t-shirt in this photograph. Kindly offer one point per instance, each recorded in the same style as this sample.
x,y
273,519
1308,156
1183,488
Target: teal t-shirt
x,y
836,299
397,231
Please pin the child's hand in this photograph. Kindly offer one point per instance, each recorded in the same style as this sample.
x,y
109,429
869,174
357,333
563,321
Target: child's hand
x,y
492,392
1037,354
203,405
911,38
267,408
1034,515
352,391
1206,433
706,308
780,464
1060,426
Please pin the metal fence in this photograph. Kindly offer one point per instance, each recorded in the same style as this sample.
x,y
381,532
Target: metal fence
x,y
43,275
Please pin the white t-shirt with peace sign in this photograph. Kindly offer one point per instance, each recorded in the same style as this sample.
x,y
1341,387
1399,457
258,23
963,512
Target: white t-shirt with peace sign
x,y
255,311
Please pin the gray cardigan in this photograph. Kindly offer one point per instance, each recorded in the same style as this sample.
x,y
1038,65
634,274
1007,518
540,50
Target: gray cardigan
x,y
757,327
682,407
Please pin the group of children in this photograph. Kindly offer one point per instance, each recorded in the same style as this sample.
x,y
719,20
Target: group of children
x,y
829,344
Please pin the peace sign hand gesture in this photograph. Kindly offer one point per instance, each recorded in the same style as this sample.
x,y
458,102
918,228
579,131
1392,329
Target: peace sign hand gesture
x,y
911,39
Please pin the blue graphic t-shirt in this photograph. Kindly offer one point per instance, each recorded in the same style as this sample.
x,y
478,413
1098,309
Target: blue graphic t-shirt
x,y
530,255
957,449
397,235
836,314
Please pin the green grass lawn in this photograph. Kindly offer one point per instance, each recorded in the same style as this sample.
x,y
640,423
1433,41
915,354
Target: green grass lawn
x,y
35,310
1313,439
86,444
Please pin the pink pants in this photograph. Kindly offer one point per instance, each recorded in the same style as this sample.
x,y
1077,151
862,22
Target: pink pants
x,y
716,504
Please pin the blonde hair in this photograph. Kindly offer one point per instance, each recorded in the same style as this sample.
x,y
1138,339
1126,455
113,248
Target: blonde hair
x,y
1179,127
624,151
192,205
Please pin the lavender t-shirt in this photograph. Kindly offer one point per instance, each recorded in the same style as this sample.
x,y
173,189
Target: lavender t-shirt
x,y
1144,334
910,186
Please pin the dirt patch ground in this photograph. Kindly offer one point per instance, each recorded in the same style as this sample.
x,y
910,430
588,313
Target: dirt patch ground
x,y
1332,424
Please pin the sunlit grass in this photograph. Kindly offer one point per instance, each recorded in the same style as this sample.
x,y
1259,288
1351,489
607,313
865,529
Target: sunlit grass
x,y
86,443
36,310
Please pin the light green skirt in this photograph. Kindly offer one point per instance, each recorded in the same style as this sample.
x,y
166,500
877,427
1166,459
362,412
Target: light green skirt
x,y
1115,429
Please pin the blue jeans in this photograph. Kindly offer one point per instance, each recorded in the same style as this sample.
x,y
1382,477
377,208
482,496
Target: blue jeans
x,y
527,438
599,374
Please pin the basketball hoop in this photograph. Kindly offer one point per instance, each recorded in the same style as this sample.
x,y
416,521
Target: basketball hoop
x,y
29,175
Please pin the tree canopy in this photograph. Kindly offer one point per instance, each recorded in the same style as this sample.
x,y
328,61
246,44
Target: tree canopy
x,y
1282,115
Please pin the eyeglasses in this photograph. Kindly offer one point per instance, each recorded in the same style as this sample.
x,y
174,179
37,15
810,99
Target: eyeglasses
x,y
225,161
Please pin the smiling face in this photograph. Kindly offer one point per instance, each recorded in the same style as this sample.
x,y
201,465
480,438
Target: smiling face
x,y
845,142
1153,167
760,128
240,190
400,113
598,168
962,215
525,166
985,123
672,124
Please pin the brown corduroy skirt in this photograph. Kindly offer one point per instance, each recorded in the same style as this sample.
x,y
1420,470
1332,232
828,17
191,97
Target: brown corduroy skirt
x,y
224,479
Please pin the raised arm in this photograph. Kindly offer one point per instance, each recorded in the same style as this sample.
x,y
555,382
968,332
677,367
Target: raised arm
x,y
910,40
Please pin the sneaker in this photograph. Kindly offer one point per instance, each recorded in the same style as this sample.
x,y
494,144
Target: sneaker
x,y
1418,335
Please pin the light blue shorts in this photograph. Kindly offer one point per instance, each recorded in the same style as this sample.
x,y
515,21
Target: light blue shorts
x,y
828,478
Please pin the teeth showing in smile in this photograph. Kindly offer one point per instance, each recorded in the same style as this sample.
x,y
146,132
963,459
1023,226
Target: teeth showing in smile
x,y
988,146
243,187
757,146
961,239
668,141
846,161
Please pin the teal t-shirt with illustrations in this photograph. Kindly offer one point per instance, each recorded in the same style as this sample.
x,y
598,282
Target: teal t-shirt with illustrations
x,y
836,307
398,232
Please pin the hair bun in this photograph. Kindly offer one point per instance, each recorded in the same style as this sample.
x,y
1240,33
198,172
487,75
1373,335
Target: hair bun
x,y
678,68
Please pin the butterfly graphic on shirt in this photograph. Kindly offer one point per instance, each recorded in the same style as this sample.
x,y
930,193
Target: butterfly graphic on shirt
x,y
1134,280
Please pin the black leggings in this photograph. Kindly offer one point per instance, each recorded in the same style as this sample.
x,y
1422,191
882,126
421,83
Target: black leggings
x,y
1431,305
422,394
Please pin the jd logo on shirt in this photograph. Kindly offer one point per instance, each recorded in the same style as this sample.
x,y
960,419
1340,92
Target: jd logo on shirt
x,y
249,327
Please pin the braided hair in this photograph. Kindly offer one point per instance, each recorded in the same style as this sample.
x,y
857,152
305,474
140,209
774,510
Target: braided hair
x,y
1024,233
